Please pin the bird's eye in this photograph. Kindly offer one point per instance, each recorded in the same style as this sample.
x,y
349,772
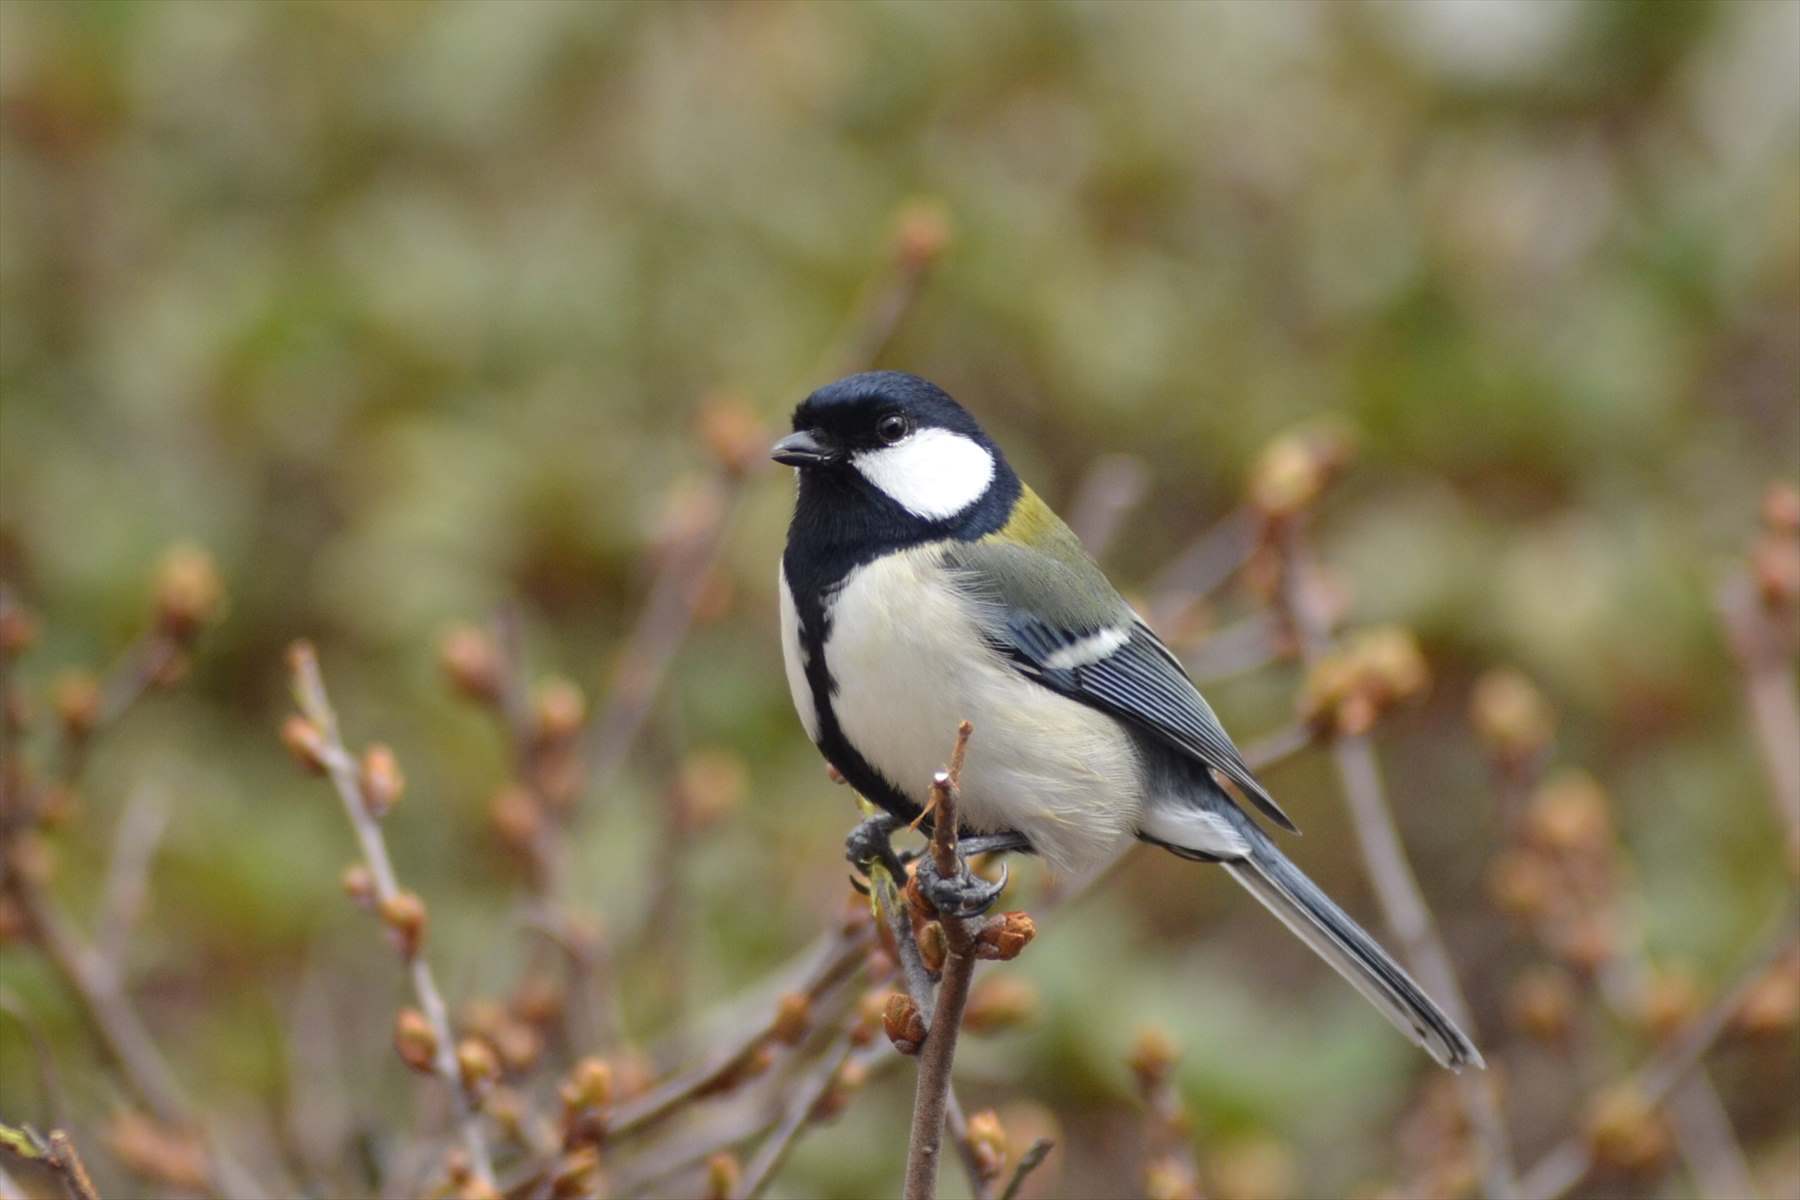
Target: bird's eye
x,y
891,428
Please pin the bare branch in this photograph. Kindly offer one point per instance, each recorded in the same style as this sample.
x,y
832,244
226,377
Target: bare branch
x,y
135,840
801,1104
1397,889
55,1154
315,705
1769,692
1653,1082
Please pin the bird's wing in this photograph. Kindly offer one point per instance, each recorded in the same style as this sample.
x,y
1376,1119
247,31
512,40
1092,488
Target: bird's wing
x,y
1086,643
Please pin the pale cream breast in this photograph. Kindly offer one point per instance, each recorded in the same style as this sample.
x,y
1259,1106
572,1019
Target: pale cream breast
x,y
906,651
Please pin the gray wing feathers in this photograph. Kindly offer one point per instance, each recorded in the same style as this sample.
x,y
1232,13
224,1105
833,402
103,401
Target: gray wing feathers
x,y
1047,607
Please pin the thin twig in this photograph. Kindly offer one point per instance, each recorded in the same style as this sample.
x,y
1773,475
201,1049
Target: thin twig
x,y
1208,561
55,1154
136,837
1113,485
1030,1161
1769,692
641,1112
1396,887
315,705
108,1009
1653,1082
805,1098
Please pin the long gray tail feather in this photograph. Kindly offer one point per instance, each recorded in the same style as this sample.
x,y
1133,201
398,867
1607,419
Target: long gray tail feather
x,y
1286,891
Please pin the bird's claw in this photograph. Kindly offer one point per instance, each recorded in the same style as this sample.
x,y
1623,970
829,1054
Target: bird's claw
x,y
961,896
871,842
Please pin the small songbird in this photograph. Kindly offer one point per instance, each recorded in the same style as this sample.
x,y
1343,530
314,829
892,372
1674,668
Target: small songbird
x,y
924,584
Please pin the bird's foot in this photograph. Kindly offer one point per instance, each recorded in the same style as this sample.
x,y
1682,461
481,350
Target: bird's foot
x,y
1010,842
960,896
872,842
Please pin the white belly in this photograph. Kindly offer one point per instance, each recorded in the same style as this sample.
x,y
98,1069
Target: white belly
x,y
902,650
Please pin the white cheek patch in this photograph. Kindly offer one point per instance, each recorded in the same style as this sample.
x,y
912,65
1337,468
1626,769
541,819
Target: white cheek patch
x,y
933,474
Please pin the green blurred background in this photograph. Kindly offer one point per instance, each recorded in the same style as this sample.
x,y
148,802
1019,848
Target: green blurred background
x,y
409,310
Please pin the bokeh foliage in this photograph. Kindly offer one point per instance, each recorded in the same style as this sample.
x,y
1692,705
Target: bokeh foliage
x,y
406,310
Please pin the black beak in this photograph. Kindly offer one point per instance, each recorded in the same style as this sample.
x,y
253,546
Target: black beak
x,y
802,449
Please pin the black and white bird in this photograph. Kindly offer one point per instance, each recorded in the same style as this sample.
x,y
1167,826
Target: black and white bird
x,y
923,584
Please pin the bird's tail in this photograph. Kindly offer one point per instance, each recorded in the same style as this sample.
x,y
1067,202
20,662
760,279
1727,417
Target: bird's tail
x,y
1286,891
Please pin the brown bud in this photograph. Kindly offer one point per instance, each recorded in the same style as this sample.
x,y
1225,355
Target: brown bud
x,y
381,778
1771,1007
1542,1003
1775,563
1670,1000
922,232
1625,1130
17,710
189,592
1168,1178
476,1063
1568,815
481,1016
471,662
164,1154
1781,509
1257,1168
987,1143
304,741
506,1108
32,857
793,1016
1521,884
404,914
904,1024
1003,937
57,805
415,1040
519,1045
709,787
1000,1001
851,1075
558,709
1511,716
76,698
538,999
1588,941
723,1174
871,1007
359,885
934,946
576,1174
516,817
1153,1056
589,1084
1294,468
13,923
18,628
732,432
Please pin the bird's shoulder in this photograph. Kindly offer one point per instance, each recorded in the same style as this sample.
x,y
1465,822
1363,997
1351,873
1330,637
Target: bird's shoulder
x,y
1035,566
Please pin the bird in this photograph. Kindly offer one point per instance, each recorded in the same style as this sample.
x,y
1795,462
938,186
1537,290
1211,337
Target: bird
x,y
923,584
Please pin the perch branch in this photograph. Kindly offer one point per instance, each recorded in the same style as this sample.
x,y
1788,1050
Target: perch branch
x,y
931,1096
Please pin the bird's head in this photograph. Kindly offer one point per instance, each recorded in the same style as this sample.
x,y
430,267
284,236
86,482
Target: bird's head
x,y
898,443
